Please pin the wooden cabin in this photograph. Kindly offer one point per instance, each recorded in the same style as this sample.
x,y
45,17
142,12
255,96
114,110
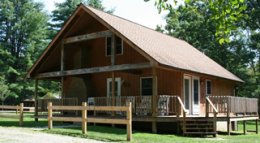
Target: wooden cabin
x,y
106,60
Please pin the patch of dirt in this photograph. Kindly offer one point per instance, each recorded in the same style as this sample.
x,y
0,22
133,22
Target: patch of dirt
x,y
26,135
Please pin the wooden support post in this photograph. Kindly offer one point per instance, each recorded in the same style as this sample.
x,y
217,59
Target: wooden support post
x,y
50,115
207,109
256,126
62,66
184,122
244,127
215,124
228,126
154,100
113,94
21,115
113,51
62,56
129,124
36,101
228,117
113,89
84,117
95,114
154,126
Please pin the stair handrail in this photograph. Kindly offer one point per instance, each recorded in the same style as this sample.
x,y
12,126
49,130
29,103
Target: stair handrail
x,y
215,110
184,115
182,105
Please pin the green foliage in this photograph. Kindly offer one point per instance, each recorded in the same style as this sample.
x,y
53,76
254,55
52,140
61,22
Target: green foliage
x,y
193,23
4,90
225,14
23,28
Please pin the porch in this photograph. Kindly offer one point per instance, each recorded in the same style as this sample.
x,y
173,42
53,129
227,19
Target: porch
x,y
170,108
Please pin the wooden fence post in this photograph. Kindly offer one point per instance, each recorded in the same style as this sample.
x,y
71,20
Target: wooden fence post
x,y
50,115
244,127
129,124
17,108
21,115
256,126
84,117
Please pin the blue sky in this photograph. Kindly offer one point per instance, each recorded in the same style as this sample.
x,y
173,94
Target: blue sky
x,y
141,12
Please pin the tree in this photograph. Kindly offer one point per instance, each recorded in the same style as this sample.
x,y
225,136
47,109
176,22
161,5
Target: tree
x,y
23,30
5,92
65,9
224,13
192,22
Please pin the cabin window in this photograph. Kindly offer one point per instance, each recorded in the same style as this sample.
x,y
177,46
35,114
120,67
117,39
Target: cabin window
x,y
119,46
208,87
146,86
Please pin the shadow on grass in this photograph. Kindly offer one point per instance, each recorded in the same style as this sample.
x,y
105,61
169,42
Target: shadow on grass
x,y
101,133
231,133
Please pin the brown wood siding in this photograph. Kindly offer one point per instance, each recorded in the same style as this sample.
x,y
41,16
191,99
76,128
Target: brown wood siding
x,y
90,53
169,82
95,85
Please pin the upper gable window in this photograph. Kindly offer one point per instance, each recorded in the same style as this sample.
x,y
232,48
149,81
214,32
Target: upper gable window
x,y
119,46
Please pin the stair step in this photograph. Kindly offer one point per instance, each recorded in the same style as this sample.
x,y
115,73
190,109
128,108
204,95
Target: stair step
x,y
200,133
208,128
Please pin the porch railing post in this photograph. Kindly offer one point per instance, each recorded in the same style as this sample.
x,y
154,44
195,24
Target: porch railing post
x,y
228,116
207,108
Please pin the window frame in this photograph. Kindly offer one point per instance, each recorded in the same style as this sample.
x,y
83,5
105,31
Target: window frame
x,y
207,88
122,47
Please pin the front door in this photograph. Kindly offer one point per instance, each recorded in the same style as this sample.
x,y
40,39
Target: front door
x,y
191,91
117,91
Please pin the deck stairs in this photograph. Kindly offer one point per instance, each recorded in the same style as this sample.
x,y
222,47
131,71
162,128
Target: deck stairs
x,y
198,126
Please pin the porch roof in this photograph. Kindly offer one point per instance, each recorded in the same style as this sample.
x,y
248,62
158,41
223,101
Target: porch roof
x,y
161,48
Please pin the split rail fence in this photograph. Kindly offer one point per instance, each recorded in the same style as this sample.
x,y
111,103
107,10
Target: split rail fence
x,y
84,119
19,109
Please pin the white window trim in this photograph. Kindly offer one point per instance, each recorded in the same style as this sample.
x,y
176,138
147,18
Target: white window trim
x,y
141,78
207,87
117,79
122,47
192,85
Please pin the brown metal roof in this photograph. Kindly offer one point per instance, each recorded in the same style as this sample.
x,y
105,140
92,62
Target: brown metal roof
x,y
165,49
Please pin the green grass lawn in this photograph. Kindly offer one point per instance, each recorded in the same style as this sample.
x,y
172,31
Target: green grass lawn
x,y
109,134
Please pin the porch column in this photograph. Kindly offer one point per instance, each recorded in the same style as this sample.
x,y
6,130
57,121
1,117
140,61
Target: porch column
x,y
62,69
154,100
36,101
113,47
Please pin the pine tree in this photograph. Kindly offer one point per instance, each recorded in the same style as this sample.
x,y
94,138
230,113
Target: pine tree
x,y
23,30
